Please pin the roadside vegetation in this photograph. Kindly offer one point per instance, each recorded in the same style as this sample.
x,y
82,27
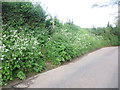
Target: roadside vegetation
x,y
30,43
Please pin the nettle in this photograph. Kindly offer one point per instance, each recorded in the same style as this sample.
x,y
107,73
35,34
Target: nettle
x,y
20,53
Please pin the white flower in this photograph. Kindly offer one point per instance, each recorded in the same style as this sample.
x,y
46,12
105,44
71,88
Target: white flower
x,y
6,50
33,47
25,38
4,35
13,54
2,58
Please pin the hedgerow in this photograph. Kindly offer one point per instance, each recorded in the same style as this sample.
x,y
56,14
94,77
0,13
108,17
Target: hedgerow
x,y
28,40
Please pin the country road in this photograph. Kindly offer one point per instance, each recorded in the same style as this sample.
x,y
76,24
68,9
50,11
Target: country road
x,y
98,69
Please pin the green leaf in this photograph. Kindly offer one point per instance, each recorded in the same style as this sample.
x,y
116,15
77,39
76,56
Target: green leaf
x,y
21,75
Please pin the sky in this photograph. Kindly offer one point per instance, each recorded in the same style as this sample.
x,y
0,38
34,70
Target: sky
x,y
81,12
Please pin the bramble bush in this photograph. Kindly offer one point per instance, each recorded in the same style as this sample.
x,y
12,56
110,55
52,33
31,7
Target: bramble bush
x,y
20,54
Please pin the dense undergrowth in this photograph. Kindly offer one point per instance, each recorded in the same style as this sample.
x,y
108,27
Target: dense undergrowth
x,y
29,41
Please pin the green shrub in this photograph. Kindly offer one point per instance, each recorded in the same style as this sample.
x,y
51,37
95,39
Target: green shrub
x,y
20,53
65,45
21,75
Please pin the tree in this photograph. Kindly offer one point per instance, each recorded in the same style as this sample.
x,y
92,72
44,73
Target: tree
x,y
69,21
110,3
22,13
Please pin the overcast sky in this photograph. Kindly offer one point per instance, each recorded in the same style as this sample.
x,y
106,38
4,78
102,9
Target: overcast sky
x,y
81,11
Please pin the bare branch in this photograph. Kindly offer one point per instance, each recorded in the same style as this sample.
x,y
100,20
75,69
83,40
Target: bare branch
x,y
111,3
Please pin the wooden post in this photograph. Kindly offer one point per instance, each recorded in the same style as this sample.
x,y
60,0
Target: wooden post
x,y
53,23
